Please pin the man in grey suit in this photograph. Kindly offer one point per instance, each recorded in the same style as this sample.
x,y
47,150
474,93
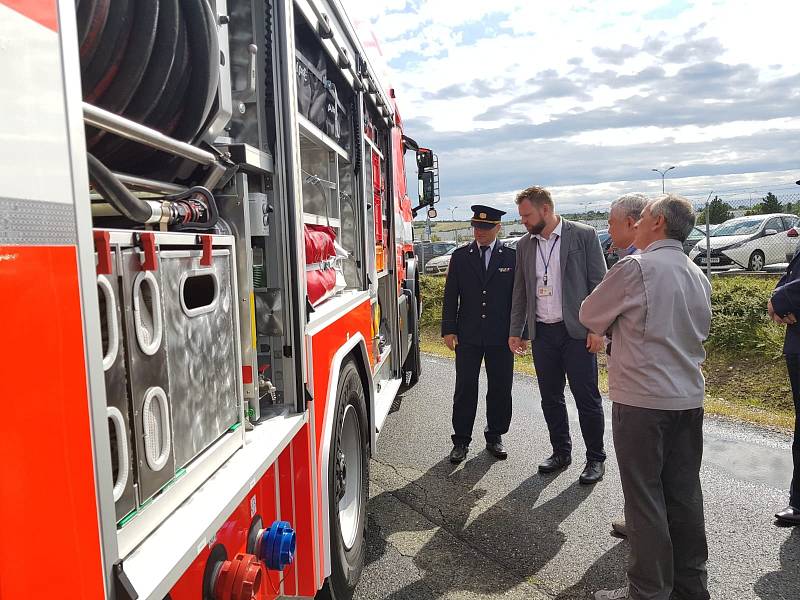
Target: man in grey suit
x,y
558,265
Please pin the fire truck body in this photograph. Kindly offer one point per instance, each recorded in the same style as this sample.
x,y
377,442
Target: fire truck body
x,y
204,228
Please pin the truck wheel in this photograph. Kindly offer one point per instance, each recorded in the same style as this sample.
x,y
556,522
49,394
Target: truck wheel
x,y
412,368
348,487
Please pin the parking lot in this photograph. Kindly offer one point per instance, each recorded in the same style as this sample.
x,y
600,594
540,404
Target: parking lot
x,y
488,529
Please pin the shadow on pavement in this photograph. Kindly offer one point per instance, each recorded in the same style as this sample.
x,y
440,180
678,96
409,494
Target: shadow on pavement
x,y
783,584
608,573
497,548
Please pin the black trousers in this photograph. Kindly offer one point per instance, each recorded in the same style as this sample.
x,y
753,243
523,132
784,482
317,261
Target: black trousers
x,y
499,374
659,453
558,357
793,366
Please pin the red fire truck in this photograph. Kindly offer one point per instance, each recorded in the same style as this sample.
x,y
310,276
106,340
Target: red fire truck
x,y
209,296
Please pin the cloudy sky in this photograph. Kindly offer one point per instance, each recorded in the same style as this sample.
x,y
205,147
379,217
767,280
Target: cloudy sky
x,y
586,97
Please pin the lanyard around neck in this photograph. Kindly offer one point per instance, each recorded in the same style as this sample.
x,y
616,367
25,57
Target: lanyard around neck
x,y
546,263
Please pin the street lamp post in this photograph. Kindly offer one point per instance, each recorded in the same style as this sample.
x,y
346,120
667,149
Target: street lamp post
x,y
453,219
664,172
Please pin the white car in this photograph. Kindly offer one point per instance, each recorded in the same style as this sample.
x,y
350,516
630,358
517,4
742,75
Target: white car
x,y
511,242
440,264
748,242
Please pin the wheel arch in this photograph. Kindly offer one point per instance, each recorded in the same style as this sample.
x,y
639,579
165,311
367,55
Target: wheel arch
x,y
355,348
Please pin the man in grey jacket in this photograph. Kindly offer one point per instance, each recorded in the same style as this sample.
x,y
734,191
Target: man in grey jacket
x,y
623,215
657,306
558,265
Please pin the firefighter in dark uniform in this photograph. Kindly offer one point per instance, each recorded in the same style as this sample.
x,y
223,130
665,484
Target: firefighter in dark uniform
x,y
475,320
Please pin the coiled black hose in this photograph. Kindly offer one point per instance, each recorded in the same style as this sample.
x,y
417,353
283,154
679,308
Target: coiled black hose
x,y
110,188
155,62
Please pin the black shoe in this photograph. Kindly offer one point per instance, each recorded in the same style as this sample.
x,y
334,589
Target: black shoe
x,y
789,516
593,472
555,463
458,454
497,450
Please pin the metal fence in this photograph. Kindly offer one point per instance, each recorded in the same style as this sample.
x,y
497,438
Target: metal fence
x,y
750,233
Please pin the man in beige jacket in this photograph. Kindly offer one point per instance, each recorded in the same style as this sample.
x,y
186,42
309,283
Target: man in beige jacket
x,y
657,307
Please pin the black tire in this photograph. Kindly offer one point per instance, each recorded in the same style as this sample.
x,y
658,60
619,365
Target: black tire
x,y
757,261
412,368
346,565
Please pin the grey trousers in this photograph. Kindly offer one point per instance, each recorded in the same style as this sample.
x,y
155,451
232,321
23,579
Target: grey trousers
x,y
659,454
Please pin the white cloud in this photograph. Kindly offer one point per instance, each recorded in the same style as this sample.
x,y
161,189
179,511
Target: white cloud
x,y
507,45
739,189
688,134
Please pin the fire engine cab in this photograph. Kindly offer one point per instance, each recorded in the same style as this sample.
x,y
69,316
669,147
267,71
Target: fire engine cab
x,y
209,296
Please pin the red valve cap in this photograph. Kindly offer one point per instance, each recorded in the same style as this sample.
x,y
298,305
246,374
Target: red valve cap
x,y
238,579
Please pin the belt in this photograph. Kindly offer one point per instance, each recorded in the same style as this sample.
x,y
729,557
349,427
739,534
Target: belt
x,y
543,324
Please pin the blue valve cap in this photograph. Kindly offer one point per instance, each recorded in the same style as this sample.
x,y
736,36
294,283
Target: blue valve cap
x,y
277,545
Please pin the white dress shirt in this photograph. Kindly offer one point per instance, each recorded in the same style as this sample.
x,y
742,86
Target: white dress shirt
x,y
488,256
548,308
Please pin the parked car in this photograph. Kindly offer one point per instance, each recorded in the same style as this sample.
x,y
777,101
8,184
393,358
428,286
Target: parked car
x,y
793,233
439,264
511,242
698,233
748,242
425,251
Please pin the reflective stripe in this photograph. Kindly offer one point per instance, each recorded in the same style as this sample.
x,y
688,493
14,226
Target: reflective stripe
x,y
36,223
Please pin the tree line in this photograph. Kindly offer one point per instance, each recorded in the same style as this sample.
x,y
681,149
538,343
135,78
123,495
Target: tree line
x,y
720,211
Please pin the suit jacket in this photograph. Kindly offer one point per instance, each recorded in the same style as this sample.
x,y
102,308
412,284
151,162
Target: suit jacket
x,y
786,299
582,268
477,306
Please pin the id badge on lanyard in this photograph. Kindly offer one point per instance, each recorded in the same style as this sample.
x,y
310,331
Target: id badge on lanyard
x,y
544,291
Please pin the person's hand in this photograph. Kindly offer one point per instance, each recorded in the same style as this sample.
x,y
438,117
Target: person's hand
x,y
517,345
788,319
594,343
451,341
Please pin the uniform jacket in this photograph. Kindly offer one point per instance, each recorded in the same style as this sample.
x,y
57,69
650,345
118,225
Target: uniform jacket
x,y
477,307
582,268
786,299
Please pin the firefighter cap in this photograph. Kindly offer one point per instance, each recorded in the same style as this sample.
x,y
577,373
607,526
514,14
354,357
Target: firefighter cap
x,y
485,217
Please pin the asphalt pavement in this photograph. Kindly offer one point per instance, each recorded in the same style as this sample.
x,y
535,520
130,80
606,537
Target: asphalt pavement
x,y
498,529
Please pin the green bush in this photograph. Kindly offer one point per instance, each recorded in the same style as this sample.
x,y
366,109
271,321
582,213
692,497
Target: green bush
x,y
432,291
739,324
739,321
